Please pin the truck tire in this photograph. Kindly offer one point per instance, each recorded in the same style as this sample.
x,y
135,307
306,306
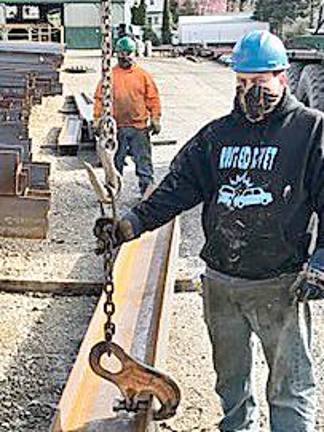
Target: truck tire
x,y
310,89
294,73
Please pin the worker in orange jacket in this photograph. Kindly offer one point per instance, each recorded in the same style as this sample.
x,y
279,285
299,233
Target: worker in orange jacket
x,y
136,109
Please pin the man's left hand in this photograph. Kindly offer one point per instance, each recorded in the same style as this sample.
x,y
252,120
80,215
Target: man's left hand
x,y
108,235
313,287
155,126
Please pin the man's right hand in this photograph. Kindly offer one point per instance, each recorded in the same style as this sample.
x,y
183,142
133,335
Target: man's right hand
x,y
106,235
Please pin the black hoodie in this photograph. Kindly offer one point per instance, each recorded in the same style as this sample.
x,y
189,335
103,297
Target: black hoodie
x,y
259,184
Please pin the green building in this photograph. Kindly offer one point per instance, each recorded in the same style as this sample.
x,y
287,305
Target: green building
x,y
73,22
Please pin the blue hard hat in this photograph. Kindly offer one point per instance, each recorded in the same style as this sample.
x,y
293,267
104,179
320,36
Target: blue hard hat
x,y
259,51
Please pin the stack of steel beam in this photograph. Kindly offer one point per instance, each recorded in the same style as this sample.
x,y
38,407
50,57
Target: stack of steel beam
x,y
28,71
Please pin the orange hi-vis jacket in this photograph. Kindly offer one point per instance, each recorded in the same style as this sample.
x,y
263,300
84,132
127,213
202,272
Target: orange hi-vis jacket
x,y
135,97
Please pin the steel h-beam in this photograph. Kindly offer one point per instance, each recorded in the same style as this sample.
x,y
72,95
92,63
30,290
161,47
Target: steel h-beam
x,y
144,276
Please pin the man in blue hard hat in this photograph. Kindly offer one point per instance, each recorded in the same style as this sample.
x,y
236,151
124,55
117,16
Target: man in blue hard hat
x,y
259,173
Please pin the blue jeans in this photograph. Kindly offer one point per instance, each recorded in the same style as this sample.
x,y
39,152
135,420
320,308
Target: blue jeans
x,y
234,309
135,143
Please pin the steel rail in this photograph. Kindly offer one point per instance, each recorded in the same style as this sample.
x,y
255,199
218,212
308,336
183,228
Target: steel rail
x,y
30,48
144,276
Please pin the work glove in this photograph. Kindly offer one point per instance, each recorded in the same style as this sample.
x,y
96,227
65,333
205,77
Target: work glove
x,y
155,126
107,237
312,288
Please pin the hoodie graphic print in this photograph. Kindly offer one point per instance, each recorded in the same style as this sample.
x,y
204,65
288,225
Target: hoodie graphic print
x,y
241,191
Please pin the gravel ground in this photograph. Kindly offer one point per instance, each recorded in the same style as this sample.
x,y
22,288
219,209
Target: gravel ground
x,y
37,353
38,349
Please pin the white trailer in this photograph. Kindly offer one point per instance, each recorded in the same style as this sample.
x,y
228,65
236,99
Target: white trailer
x,y
216,29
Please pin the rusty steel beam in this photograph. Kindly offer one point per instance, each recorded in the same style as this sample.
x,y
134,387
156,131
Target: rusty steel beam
x,y
9,115
70,135
31,53
39,174
24,195
24,216
10,169
69,287
11,165
144,276
28,48
85,107
22,149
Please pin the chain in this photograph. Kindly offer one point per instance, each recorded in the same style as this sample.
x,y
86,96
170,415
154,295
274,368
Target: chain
x,y
108,138
108,286
108,132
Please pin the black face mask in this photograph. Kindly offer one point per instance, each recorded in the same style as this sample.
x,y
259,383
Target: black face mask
x,y
125,62
257,101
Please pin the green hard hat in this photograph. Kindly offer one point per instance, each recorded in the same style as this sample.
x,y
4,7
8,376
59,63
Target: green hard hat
x,y
125,44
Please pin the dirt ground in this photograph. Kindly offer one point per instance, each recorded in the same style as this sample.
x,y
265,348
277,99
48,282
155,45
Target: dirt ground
x,y
38,349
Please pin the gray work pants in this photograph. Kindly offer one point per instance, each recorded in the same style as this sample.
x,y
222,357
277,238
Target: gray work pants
x,y
234,309
135,143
